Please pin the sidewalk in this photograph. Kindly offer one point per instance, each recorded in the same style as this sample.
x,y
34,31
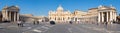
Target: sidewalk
x,y
5,25
108,28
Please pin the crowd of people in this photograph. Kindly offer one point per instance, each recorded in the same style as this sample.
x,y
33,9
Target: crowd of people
x,y
21,23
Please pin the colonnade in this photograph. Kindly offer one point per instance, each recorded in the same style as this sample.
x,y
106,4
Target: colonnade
x,y
106,16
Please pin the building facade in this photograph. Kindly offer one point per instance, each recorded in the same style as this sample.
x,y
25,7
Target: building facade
x,y
100,14
77,15
26,17
60,15
10,13
106,14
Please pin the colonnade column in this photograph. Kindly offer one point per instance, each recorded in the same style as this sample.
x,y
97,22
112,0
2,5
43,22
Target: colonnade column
x,y
111,16
102,17
14,16
10,16
99,17
115,16
17,16
107,16
6,17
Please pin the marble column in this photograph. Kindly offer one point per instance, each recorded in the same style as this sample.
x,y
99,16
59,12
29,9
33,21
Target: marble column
x,y
14,16
102,16
10,16
6,17
17,16
115,16
99,17
111,16
107,16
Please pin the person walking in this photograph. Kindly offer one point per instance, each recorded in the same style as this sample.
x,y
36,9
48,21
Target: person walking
x,y
18,23
34,22
37,22
70,22
22,23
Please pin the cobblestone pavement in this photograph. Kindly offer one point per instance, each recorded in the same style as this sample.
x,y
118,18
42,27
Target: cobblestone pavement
x,y
44,27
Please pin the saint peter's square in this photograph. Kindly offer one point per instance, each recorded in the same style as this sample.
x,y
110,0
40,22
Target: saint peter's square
x,y
59,16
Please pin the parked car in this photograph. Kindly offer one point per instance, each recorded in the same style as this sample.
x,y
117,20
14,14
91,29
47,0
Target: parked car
x,y
52,22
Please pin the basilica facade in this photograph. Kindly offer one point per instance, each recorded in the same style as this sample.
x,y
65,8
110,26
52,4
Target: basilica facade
x,y
100,14
61,15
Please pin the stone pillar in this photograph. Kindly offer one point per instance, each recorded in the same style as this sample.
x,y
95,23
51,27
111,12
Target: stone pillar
x,y
14,16
17,16
99,17
111,16
6,15
102,16
10,16
107,16
115,16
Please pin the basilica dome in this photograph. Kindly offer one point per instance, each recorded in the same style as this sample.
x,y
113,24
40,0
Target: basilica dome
x,y
60,7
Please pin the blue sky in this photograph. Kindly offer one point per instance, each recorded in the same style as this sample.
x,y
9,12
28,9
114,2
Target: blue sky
x,y
42,7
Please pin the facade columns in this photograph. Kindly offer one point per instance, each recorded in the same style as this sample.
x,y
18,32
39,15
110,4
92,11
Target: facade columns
x,y
99,17
17,16
111,16
102,16
10,16
107,16
14,16
6,14
115,16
